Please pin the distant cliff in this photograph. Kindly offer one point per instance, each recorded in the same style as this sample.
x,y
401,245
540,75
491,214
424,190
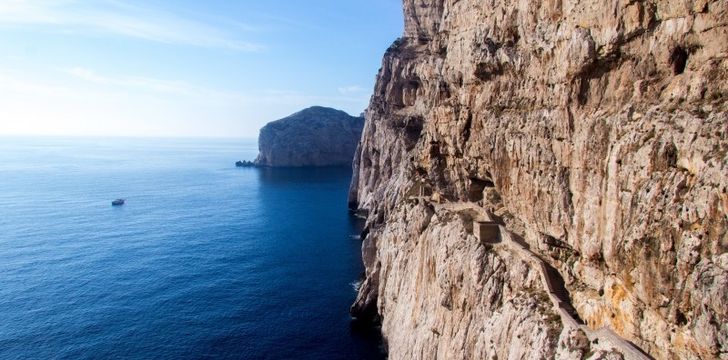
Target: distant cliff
x,y
316,136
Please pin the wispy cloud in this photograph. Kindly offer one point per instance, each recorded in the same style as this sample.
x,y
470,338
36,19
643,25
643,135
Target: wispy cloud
x,y
145,83
84,101
206,94
125,19
11,83
287,21
352,89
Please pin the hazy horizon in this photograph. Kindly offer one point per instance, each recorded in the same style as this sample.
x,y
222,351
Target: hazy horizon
x,y
128,68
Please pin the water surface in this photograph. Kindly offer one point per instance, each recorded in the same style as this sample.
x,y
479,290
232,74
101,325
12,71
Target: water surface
x,y
205,260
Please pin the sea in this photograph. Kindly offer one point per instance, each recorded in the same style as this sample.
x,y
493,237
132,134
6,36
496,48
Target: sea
x,y
204,260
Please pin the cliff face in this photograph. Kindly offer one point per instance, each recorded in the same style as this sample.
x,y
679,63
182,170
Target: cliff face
x,y
595,131
316,136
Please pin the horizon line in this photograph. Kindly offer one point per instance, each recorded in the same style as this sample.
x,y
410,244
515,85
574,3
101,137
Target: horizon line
x,y
95,136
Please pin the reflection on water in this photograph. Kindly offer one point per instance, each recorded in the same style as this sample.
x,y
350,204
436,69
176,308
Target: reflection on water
x,y
291,175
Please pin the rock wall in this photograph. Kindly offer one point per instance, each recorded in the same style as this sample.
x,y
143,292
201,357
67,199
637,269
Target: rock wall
x,y
595,130
316,136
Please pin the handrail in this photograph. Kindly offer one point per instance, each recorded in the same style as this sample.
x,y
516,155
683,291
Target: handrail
x,y
628,349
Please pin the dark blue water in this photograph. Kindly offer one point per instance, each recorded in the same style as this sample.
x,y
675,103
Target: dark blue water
x,y
204,261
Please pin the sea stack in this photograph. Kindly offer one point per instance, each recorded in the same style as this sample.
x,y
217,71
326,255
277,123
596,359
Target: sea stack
x,y
591,137
316,136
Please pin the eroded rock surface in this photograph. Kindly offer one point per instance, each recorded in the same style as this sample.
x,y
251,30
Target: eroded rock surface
x,y
316,136
595,130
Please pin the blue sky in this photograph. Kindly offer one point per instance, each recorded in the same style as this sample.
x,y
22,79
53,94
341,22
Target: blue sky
x,y
184,67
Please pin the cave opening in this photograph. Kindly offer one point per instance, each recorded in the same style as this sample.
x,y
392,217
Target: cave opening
x,y
678,59
477,186
681,319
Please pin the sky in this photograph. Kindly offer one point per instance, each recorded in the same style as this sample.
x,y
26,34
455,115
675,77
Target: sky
x,y
178,68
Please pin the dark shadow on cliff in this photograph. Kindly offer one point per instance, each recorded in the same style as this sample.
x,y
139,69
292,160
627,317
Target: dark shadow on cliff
x,y
369,335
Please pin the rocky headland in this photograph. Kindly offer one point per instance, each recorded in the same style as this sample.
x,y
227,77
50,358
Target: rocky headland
x,y
316,136
549,179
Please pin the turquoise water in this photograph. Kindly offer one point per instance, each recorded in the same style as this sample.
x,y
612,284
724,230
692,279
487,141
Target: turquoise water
x,y
205,260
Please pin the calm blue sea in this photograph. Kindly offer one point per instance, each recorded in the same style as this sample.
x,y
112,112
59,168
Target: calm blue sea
x,y
205,260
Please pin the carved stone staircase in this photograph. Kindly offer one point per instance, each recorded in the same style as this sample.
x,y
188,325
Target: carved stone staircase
x,y
553,283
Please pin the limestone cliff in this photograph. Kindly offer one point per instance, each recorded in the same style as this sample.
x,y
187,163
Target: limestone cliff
x,y
316,136
595,133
